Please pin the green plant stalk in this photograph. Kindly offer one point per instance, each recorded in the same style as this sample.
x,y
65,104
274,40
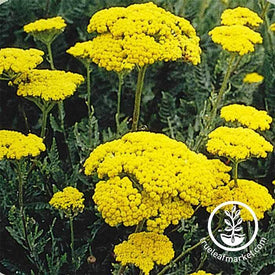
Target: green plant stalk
x,y
120,83
88,89
45,108
213,114
235,172
264,17
140,81
49,49
72,239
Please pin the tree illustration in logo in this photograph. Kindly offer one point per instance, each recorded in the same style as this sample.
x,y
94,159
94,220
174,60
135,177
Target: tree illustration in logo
x,y
233,222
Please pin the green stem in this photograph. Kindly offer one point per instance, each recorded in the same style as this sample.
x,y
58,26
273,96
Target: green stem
x,y
46,108
49,48
121,270
72,240
235,173
139,226
120,83
216,104
140,81
88,89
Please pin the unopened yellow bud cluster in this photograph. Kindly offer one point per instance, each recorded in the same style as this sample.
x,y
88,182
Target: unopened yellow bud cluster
x,y
253,78
48,85
201,272
236,36
150,176
14,60
140,34
144,250
15,145
249,192
272,27
70,201
247,116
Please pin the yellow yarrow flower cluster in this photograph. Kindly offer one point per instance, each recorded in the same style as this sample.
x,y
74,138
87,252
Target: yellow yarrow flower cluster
x,y
150,176
235,36
249,192
46,30
201,272
272,27
70,201
14,60
48,85
15,145
237,143
247,116
144,250
140,34
253,78
240,16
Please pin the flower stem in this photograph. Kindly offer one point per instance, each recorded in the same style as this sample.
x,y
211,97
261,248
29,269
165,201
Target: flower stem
x,y
235,173
49,48
140,81
216,104
72,240
120,83
121,270
88,89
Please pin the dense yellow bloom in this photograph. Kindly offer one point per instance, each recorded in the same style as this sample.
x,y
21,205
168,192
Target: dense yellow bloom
x,y
255,196
253,78
151,176
247,116
138,35
144,250
47,84
56,24
240,16
272,27
236,38
249,192
237,143
201,272
70,201
14,60
15,145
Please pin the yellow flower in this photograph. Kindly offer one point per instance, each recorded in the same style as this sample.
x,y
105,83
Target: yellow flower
x,y
253,78
272,27
46,30
201,272
15,145
70,201
255,196
138,35
150,176
240,16
247,116
236,38
237,143
144,250
14,60
47,84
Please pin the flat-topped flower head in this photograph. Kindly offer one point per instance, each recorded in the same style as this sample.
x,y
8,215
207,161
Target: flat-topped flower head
x,y
46,30
247,116
142,34
237,143
15,145
236,38
48,85
253,194
145,249
150,176
272,27
241,16
201,272
15,60
70,201
253,78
